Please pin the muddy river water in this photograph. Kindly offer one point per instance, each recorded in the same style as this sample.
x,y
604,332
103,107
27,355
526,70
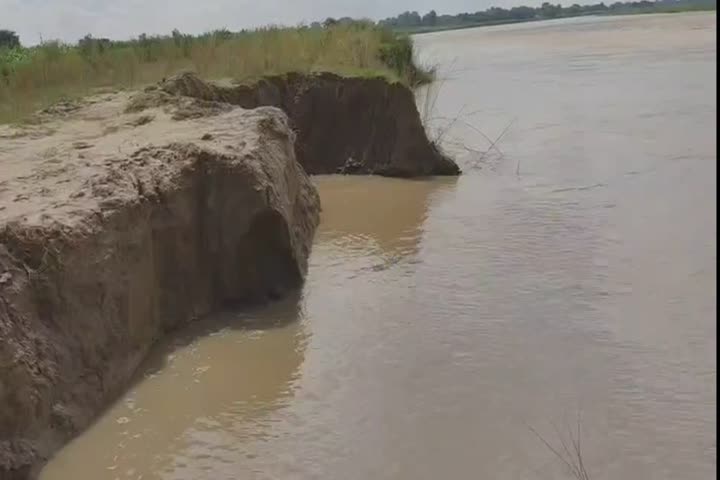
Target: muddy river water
x,y
568,275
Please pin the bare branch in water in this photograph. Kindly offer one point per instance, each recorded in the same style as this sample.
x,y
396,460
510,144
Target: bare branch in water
x,y
492,144
502,134
440,135
570,454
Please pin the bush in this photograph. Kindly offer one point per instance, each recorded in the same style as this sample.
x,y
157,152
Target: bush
x,y
397,52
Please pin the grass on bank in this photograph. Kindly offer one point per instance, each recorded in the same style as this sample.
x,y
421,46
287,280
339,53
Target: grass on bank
x,y
36,77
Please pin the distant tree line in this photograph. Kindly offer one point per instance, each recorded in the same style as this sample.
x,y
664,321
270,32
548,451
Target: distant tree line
x,y
9,39
409,20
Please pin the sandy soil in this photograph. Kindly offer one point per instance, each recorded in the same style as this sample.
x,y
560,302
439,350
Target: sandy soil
x,y
116,227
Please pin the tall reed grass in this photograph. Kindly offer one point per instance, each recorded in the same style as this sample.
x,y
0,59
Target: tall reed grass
x,y
33,78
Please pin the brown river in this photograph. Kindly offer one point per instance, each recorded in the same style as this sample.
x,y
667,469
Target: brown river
x,y
567,279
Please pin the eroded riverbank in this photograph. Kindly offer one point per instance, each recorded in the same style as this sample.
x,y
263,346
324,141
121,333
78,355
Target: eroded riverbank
x,y
440,318
126,216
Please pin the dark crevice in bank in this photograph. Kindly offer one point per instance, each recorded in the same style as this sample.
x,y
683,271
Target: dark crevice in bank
x,y
343,125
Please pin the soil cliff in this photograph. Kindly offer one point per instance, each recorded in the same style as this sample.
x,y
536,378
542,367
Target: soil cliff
x,y
115,228
343,125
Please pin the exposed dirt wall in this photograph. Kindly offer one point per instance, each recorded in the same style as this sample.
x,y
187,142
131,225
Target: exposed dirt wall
x,y
103,256
343,125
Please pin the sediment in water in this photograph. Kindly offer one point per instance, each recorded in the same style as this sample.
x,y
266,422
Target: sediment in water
x,y
129,215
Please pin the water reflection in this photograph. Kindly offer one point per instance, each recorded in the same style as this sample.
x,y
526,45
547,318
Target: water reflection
x,y
376,215
218,378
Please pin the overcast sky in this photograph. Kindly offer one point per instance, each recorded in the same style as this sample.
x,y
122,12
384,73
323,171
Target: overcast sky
x,y
69,20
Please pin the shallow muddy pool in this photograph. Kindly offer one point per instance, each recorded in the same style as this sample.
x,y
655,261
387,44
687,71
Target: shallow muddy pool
x,y
568,275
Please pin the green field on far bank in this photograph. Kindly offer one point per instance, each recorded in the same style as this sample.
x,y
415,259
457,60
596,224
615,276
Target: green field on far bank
x,y
414,23
33,78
